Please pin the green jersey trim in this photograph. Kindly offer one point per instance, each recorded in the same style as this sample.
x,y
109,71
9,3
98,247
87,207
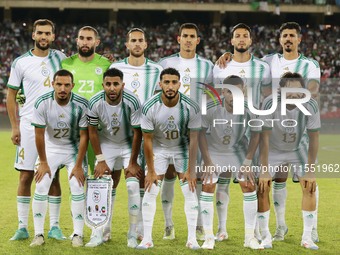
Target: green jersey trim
x,y
313,130
151,102
147,130
38,126
43,98
13,87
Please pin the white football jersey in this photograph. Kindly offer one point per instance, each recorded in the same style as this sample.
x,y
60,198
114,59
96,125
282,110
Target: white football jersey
x,y
62,123
193,72
34,76
115,121
141,80
289,132
308,68
230,137
170,125
255,74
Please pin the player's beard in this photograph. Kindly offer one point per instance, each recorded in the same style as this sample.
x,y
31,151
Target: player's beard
x,y
288,49
116,99
170,97
40,47
63,98
137,54
87,53
241,50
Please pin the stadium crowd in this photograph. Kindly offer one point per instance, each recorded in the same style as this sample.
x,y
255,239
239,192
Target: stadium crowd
x,y
321,43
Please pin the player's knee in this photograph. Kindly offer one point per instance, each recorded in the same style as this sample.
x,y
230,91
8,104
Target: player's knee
x,y
75,187
26,178
42,187
308,192
132,185
209,188
247,187
188,194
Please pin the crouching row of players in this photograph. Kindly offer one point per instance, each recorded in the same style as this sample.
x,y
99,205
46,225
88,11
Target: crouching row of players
x,y
164,121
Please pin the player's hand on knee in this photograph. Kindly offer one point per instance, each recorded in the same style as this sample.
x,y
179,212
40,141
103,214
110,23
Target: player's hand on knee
x,y
134,170
150,178
78,173
265,182
208,175
247,175
43,169
191,179
100,169
309,183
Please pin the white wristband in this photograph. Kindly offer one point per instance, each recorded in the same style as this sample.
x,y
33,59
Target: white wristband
x,y
247,162
100,158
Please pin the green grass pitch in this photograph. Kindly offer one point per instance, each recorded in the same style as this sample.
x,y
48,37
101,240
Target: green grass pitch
x,y
328,227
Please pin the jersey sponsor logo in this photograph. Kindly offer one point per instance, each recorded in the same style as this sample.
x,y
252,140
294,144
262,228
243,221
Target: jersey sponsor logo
x,y
62,116
99,70
187,70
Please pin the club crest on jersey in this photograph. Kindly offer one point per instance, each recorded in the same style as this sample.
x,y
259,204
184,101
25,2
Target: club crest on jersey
x,y
115,122
99,70
45,72
290,126
171,123
61,124
135,84
186,79
228,130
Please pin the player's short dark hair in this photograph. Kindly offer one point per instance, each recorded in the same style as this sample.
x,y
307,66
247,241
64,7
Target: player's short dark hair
x,y
95,31
289,76
188,26
171,71
135,29
240,25
113,72
290,25
233,80
63,72
43,22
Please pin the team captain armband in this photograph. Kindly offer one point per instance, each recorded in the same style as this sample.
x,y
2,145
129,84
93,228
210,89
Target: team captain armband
x,y
93,121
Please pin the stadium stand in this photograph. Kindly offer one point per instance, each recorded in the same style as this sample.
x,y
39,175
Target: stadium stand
x,y
321,43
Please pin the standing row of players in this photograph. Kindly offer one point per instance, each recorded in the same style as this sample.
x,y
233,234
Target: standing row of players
x,y
165,120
